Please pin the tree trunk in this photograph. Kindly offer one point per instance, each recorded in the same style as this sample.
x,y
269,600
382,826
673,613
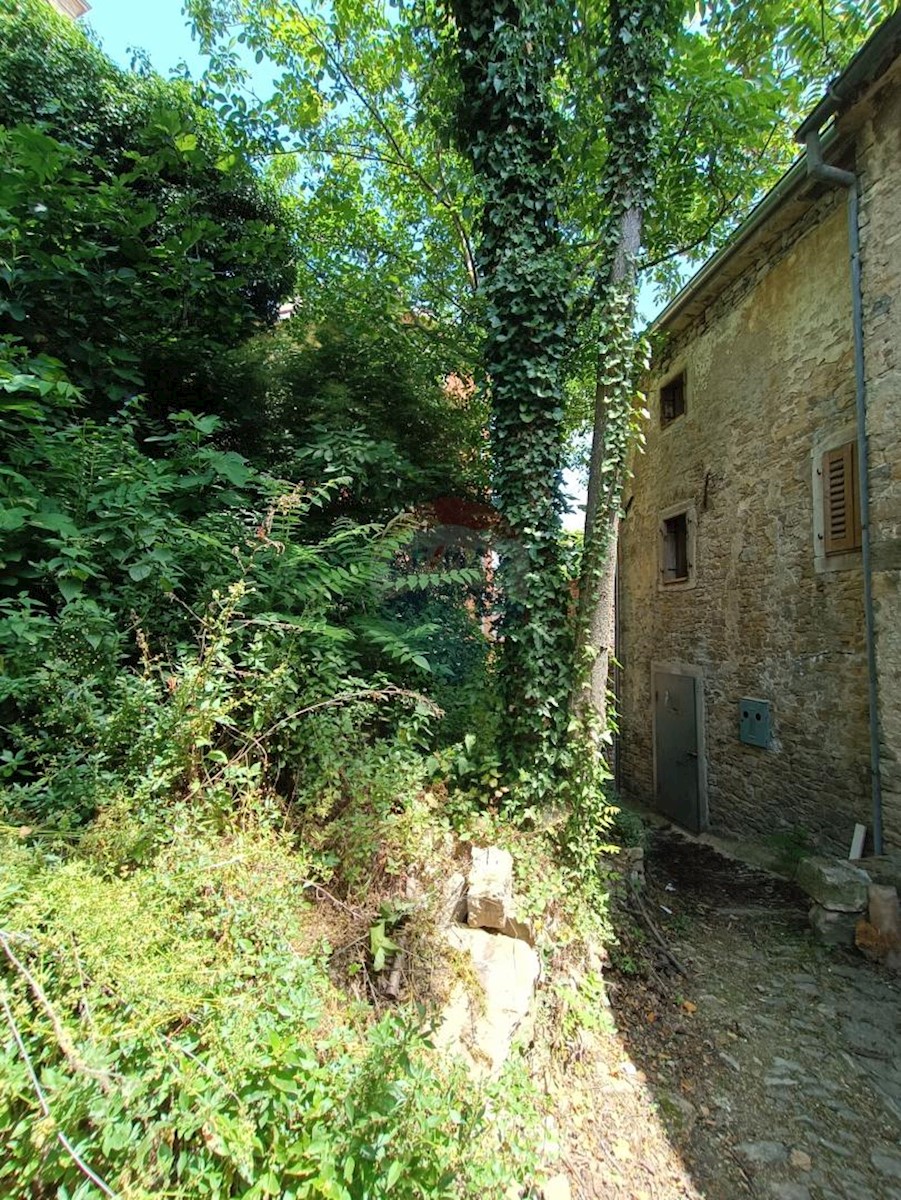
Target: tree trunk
x,y
508,51
637,35
595,619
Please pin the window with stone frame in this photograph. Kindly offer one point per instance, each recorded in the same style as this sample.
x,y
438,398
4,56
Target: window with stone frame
x,y
675,566
672,399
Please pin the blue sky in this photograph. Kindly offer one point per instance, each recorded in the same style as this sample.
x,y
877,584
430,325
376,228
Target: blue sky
x,y
157,26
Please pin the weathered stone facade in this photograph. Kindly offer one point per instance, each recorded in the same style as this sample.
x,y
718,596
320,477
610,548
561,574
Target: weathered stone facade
x,y
879,162
766,348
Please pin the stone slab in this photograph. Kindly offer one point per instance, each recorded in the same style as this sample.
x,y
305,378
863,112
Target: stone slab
x,y
834,883
759,1154
490,893
483,1027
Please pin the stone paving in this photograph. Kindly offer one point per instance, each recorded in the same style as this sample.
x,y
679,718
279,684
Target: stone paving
x,y
786,1054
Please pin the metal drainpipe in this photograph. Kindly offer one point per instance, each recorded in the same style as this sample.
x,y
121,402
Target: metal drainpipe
x,y
847,179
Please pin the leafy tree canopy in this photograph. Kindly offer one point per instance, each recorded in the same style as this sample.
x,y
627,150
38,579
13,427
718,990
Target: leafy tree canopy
x,y
366,94
138,242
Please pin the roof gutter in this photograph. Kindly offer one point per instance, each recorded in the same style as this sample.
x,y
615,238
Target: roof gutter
x,y
793,178
861,70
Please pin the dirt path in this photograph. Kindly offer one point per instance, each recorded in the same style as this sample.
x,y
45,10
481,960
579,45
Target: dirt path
x,y
775,1063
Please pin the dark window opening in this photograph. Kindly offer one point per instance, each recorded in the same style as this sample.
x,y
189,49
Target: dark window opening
x,y
675,549
672,399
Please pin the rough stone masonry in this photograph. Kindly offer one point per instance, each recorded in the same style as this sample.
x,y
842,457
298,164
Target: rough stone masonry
x,y
765,349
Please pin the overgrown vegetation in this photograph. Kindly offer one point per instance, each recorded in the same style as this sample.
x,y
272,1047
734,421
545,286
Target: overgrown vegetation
x,y
212,1054
286,615
216,628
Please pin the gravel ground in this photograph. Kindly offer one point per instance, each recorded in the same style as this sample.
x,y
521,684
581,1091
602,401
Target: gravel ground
x,y
770,1068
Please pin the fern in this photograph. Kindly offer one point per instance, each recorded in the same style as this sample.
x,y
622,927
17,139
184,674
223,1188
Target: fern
x,y
397,642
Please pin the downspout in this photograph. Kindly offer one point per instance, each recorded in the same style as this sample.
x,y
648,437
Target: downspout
x,y
821,170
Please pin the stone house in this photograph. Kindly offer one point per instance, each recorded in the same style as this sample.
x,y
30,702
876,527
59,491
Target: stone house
x,y
759,621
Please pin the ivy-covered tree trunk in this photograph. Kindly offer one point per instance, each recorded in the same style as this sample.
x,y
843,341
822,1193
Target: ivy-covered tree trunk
x,y
638,35
507,53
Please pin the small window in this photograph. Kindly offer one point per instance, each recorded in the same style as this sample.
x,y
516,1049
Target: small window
x,y
675,563
841,507
672,399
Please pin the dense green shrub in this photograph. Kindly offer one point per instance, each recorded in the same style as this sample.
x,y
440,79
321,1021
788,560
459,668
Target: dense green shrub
x,y
376,401
137,242
152,609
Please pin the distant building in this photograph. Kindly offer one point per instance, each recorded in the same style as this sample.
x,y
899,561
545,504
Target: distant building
x,y
71,8
760,611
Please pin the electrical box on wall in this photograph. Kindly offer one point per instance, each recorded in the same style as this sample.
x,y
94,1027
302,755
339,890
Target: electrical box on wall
x,y
754,722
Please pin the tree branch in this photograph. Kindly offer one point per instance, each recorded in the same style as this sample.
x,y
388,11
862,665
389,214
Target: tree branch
x,y
403,162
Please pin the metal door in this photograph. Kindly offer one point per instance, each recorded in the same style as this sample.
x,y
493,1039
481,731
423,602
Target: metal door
x,y
676,742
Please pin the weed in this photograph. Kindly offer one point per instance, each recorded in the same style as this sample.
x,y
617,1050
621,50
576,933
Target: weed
x,y
186,1045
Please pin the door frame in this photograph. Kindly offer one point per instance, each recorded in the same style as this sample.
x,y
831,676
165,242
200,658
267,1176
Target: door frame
x,y
697,674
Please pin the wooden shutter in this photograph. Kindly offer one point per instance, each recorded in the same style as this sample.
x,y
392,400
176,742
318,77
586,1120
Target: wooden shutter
x,y
841,512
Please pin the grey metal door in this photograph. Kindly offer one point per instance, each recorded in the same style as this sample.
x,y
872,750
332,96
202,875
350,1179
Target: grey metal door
x,y
676,741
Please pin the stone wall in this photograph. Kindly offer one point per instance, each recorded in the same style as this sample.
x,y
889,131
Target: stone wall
x,y
879,166
769,385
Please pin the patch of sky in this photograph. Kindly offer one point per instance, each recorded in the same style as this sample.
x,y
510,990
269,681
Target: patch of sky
x,y
158,34
160,30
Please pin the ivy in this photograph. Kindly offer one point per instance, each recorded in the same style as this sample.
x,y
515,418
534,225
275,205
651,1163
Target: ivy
x,y
507,55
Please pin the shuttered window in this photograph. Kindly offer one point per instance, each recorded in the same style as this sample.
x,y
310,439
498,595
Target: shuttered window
x,y
841,510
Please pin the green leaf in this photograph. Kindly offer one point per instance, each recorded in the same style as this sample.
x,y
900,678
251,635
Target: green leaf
x,y
70,587
231,466
55,522
12,518
380,945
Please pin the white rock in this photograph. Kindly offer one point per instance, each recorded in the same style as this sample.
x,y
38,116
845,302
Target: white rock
x,y
516,928
834,883
482,1028
556,1188
490,896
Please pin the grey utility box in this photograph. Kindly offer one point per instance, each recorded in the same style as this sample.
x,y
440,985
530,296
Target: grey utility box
x,y
754,722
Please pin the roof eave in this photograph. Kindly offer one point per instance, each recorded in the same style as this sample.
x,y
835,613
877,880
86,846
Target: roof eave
x,y
788,185
864,67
